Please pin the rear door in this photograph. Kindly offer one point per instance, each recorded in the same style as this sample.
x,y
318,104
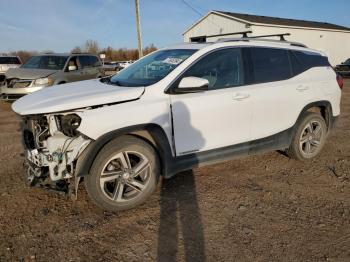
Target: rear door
x,y
277,95
90,66
218,117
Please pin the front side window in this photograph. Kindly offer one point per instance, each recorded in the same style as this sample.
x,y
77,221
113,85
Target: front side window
x,y
152,68
221,68
73,62
46,62
270,64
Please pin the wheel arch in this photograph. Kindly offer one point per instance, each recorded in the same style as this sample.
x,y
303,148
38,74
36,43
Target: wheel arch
x,y
323,107
151,133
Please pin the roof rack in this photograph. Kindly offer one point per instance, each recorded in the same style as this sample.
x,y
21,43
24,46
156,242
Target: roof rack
x,y
203,38
245,37
280,35
258,38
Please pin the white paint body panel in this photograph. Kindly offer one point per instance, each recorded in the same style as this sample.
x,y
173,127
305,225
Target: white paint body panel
x,y
277,105
74,95
211,119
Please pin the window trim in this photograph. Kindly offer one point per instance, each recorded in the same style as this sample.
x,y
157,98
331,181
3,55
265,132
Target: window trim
x,y
172,87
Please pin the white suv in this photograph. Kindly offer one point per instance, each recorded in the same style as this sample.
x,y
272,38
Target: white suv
x,y
175,109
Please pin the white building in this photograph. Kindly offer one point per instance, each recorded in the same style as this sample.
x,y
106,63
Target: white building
x,y
334,40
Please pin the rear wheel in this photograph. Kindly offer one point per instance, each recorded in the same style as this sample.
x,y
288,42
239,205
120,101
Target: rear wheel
x,y
124,174
309,138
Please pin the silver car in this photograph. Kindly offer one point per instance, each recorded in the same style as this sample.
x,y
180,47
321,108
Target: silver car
x,y
7,62
47,70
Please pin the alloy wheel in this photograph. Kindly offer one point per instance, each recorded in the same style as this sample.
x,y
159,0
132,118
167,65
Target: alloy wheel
x,y
125,176
311,138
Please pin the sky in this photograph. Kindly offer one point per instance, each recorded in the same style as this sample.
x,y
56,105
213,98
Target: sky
x,y
60,25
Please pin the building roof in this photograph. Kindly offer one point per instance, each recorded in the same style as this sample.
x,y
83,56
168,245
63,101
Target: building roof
x,y
283,21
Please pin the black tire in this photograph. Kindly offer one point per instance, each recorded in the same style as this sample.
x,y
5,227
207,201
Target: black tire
x,y
134,149
298,148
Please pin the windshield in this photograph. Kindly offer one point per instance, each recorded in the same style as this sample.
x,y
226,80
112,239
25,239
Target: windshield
x,y
347,61
9,60
46,62
152,68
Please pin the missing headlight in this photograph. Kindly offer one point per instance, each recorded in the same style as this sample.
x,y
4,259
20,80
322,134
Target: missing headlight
x,y
70,124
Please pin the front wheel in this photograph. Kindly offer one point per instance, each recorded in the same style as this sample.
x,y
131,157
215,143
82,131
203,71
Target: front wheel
x,y
124,174
309,137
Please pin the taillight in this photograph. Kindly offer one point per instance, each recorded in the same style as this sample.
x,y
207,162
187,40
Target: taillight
x,y
340,81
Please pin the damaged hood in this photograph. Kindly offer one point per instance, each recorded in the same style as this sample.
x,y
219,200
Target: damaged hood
x,y
28,73
73,96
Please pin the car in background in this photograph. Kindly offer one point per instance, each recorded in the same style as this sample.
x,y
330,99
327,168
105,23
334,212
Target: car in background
x,y
344,68
111,66
49,69
124,64
7,62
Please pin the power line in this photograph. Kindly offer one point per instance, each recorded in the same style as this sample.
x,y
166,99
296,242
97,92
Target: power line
x,y
198,12
191,7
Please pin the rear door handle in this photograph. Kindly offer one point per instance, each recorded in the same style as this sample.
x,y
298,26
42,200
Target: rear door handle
x,y
302,88
240,97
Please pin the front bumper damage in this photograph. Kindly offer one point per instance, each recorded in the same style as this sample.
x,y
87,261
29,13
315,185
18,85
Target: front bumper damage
x,y
51,156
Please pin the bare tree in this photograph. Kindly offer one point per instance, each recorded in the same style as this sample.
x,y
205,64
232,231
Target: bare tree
x,y
76,49
91,46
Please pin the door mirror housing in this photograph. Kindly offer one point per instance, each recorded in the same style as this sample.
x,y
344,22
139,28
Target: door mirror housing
x,y
72,68
192,84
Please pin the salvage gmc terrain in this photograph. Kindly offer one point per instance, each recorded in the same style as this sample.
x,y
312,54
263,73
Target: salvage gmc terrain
x,y
175,109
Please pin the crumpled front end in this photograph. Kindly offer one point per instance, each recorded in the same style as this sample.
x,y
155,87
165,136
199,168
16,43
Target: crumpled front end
x,y
52,147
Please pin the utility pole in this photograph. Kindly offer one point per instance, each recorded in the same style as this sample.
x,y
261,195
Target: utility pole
x,y
138,27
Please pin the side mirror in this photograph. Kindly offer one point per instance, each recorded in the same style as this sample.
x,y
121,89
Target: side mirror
x,y
192,84
72,68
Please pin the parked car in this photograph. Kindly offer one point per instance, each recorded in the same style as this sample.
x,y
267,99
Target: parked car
x,y
111,66
344,68
49,69
208,103
124,64
7,62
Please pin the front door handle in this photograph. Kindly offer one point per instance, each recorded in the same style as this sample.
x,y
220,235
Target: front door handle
x,y
240,97
302,88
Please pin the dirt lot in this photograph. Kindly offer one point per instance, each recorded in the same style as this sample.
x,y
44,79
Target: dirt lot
x,y
261,208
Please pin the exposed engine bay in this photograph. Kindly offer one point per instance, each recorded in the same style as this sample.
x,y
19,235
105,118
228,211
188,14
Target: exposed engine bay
x,y
53,146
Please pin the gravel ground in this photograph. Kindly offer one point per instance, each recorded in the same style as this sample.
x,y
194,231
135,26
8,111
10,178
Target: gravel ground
x,y
260,208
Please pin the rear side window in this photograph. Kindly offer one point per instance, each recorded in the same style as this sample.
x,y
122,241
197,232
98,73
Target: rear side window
x,y
302,61
10,60
95,61
221,68
270,64
89,61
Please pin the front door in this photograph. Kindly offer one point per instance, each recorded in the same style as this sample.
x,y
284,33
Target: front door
x,y
218,117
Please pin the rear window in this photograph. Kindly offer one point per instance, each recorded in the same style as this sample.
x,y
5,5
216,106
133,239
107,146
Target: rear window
x,y
89,61
11,60
270,64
